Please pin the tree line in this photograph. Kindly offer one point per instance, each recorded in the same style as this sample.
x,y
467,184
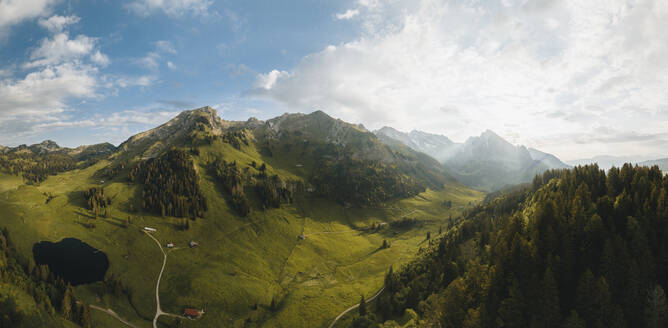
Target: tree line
x,y
170,185
35,168
362,182
271,189
576,248
51,294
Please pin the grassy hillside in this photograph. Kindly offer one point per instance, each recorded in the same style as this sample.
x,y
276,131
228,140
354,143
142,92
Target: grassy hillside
x,y
243,264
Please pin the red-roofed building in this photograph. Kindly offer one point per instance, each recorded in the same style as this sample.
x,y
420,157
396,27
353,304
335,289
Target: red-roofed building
x,y
192,313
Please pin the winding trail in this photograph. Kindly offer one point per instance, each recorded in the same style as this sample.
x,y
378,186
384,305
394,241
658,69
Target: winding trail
x,y
354,307
158,310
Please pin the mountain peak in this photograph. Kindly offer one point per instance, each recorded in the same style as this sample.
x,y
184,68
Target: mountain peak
x,y
45,146
48,143
203,110
487,134
320,114
175,130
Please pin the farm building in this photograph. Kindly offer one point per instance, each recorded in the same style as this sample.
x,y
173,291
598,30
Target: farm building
x,y
150,229
193,244
170,245
192,313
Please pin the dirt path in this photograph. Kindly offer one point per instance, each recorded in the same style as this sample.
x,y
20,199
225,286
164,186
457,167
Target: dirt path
x,y
158,310
113,314
354,307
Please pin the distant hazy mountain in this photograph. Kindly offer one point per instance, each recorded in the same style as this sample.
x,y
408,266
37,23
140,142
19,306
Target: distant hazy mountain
x,y
607,161
51,147
547,159
486,162
661,163
437,146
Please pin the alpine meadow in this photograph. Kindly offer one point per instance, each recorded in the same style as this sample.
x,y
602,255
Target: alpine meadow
x,y
333,164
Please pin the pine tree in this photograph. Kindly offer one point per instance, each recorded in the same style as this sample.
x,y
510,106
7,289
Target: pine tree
x,y
273,306
549,313
573,321
362,306
656,310
585,295
84,318
66,305
512,308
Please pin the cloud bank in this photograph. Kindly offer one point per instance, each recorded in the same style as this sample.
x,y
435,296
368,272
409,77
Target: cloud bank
x,y
547,73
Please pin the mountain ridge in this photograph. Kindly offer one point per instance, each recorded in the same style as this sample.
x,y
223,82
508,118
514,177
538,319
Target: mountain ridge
x,y
487,161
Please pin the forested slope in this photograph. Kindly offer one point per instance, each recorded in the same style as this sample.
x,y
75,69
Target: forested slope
x,y
577,248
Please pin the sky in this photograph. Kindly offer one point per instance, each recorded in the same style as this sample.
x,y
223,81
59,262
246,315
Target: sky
x,y
570,77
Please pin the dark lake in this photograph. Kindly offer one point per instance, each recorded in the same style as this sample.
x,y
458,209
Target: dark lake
x,y
72,260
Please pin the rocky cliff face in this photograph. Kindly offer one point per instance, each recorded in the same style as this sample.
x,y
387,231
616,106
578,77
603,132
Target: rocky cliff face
x,y
174,132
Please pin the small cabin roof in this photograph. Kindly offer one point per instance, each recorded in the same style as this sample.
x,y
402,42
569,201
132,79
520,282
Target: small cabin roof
x,y
189,311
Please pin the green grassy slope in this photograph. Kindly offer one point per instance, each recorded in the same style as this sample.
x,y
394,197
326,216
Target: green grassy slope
x,y
241,261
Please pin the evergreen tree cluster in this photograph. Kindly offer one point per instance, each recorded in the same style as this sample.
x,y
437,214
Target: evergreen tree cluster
x,y
52,296
233,183
236,138
110,172
96,200
35,168
171,186
363,182
271,190
576,248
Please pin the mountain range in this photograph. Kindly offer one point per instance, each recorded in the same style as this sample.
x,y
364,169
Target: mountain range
x,y
51,147
607,161
487,162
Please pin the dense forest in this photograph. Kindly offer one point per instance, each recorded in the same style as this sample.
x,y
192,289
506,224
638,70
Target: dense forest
x,y
232,179
271,189
36,168
362,182
52,296
171,185
577,248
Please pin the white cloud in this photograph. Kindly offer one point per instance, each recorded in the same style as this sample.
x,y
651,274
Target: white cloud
x,y
136,117
267,81
171,65
100,59
170,7
509,67
127,81
16,11
349,14
46,91
165,46
150,61
38,95
61,48
56,24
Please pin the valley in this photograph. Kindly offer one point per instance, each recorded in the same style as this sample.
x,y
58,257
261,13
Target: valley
x,y
254,270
